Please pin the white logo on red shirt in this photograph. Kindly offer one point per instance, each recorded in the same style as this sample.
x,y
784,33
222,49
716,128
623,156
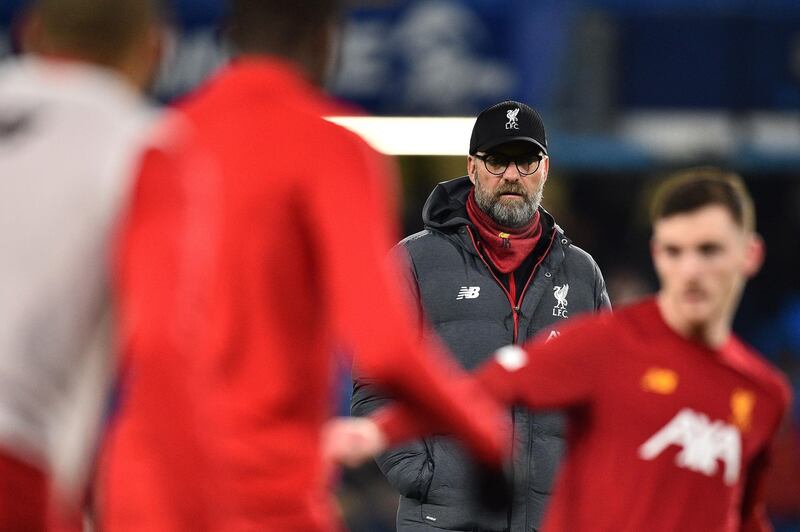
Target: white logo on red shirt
x,y
704,443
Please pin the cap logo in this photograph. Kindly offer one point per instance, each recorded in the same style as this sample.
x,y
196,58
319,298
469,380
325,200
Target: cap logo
x,y
513,121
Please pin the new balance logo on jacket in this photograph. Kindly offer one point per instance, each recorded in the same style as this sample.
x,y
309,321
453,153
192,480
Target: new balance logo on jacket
x,y
469,292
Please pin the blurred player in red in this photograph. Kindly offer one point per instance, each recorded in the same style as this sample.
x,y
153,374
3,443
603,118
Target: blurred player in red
x,y
254,250
671,416
72,123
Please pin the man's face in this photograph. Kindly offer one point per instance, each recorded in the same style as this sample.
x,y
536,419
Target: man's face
x,y
703,259
511,198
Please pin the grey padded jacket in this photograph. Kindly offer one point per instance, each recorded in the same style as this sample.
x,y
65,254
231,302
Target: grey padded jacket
x,y
457,293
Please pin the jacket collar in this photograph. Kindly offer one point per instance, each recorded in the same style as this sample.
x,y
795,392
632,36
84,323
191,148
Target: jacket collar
x,y
445,209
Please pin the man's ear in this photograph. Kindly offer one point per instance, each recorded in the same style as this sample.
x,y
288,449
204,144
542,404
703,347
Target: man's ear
x,y
754,255
472,171
546,169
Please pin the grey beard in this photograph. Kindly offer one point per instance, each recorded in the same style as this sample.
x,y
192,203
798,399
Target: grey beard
x,y
511,215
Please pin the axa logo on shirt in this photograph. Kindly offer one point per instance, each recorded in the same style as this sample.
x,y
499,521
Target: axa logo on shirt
x,y
704,443
469,292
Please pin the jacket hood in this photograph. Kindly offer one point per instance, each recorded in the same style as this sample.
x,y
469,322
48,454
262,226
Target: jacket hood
x,y
446,207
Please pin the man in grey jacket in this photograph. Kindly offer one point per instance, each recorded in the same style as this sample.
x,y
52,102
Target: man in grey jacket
x,y
490,268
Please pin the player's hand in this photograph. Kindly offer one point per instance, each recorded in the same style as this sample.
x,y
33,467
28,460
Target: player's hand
x,y
351,441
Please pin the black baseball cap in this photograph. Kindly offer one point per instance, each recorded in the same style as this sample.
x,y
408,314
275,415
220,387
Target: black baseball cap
x,y
505,122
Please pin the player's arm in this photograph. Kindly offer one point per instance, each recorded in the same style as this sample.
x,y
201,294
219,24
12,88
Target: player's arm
x,y
407,467
559,373
754,513
350,215
368,394
23,495
154,438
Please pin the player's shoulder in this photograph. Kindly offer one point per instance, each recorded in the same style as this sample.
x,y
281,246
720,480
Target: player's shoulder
x,y
343,136
636,312
12,74
170,133
306,124
85,94
760,371
20,74
637,320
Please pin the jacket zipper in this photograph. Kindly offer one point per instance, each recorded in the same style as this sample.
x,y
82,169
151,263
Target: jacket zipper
x,y
514,307
515,312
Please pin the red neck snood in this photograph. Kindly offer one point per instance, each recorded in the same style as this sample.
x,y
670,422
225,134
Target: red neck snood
x,y
506,248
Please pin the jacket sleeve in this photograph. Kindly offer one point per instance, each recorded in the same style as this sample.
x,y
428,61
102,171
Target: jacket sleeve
x,y
407,467
365,311
409,286
602,301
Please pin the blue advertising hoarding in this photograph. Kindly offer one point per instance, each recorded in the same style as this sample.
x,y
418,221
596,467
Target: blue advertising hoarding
x,y
570,57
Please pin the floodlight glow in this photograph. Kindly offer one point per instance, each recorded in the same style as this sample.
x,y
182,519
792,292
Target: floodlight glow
x,y
401,135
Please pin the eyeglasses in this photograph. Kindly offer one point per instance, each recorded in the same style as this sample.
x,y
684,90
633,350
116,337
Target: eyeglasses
x,y
497,164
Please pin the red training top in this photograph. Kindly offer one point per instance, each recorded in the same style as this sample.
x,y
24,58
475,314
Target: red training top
x,y
254,249
665,434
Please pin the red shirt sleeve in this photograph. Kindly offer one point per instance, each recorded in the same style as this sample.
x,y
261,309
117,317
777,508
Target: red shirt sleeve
x,y
542,374
558,373
754,512
754,508
23,495
350,212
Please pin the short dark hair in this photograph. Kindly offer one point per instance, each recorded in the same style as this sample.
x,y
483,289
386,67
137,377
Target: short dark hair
x,y
695,188
278,26
101,31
